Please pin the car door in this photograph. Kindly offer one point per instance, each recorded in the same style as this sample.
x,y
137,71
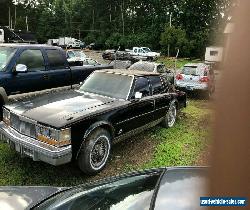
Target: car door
x,y
58,73
160,96
33,79
139,112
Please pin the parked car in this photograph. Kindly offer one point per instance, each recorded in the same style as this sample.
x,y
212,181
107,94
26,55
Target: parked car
x,y
75,55
134,55
27,68
144,52
196,77
164,188
82,124
116,55
155,68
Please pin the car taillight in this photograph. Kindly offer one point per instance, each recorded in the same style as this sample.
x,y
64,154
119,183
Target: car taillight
x,y
204,79
179,77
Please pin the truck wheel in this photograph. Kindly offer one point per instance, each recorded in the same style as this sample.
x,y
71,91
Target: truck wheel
x,y
170,117
95,152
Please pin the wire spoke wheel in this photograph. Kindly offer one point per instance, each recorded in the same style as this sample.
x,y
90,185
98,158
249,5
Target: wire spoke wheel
x,y
171,115
99,152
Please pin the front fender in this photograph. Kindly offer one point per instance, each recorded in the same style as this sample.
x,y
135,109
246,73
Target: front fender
x,y
97,125
3,94
102,124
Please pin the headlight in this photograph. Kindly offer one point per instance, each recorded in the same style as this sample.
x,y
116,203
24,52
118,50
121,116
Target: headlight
x,y
52,136
6,116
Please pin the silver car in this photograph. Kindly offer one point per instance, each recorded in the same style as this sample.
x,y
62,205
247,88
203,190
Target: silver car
x,y
196,77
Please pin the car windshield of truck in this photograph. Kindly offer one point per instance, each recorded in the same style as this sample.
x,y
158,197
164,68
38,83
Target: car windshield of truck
x,y
108,84
6,53
125,193
190,70
140,66
80,54
146,49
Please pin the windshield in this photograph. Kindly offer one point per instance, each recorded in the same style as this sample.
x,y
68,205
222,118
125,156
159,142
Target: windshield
x,y
79,54
146,49
108,84
125,193
140,66
190,70
6,54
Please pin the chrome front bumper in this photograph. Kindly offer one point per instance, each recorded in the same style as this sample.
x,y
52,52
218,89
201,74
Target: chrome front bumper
x,y
35,149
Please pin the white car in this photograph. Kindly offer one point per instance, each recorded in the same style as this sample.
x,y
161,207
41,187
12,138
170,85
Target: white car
x,y
155,68
196,77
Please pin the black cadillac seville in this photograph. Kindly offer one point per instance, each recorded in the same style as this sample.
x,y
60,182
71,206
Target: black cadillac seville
x,y
82,124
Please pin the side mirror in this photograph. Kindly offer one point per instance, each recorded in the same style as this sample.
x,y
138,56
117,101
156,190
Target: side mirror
x,y
138,95
21,68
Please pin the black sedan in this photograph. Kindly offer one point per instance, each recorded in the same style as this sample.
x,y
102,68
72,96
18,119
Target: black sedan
x,y
165,188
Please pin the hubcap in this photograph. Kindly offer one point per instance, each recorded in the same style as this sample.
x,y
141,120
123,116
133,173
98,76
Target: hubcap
x,y
171,116
100,152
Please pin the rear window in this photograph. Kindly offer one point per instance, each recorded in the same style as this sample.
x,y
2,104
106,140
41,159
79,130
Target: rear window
x,y
126,193
190,70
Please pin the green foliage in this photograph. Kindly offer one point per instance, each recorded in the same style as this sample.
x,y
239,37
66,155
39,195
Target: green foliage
x,y
176,39
125,22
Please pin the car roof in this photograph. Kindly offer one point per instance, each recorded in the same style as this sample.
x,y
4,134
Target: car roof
x,y
194,64
25,45
129,72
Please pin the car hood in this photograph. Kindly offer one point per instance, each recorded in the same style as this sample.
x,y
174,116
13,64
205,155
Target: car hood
x,y
20,198
62,108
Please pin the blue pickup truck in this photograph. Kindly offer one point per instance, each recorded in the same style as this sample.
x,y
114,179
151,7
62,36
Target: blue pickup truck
x,y
27,68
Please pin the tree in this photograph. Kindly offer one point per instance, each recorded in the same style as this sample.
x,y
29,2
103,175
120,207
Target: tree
x,y
176,39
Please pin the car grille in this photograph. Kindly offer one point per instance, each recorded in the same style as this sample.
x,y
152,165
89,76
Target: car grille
x,y
21,126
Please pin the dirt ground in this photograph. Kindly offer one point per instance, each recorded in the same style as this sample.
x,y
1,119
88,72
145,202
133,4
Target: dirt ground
x,y
96,55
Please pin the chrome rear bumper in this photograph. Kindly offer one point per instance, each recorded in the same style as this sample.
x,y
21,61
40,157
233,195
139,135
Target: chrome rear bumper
x,y
35,149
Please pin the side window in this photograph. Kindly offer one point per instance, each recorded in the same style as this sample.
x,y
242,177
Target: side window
x,y
56,59
142,86
135,50
71,54
161,69
156,84
33,59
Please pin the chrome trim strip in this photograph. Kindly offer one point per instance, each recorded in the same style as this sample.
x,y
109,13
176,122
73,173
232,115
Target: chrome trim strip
x,y
141,115
137,130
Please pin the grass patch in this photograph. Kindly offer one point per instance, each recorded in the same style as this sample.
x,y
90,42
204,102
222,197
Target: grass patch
x,y
182,144
170,62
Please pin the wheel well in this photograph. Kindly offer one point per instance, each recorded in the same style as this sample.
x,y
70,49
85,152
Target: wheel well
x,y
2,102
108,128
176,104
